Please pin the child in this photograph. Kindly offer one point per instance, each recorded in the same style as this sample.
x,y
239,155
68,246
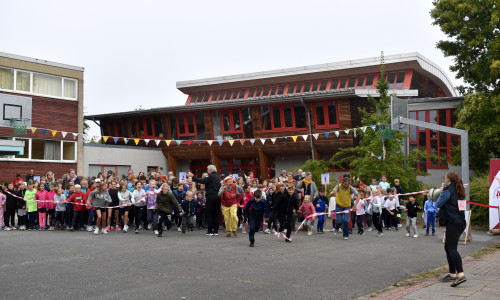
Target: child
x,y
284,208
41,195
3,201
114,210
270,199
377,207
374,184
247,196
68,213
78,199
90,209
179,194
431,209
22,215
200,210
165,203
333,215
320,203
124,195
189,208
411,209
99,199
32,206
152,216
139,201
360,211
424,213
391,209
307,209
383,183
51,207
11,208
255,209
60,202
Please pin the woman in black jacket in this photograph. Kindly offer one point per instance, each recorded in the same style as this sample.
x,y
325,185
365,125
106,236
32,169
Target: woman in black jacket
x,y
454,220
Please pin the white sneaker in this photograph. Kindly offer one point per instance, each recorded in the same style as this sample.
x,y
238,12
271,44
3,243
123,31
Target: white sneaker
x,y
400,225
369,229
89,228
104,231
415,235
7,228
346,238
407,234
179,229
96,231
156,232
310,233
125,228
150,226
267,231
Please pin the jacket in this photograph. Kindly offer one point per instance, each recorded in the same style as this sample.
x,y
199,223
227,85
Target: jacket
x,y
167,202
49,198
232,196
256,209
99,199
79,200
412,209
307,210
20,201
151,198
285,204
313,190
189,207
138,198
212,186
11,199
41,196
448,202
430,206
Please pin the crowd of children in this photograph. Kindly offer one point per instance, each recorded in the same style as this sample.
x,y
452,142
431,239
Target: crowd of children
x,y
157,202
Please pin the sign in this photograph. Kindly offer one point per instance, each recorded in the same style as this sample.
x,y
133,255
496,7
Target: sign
x,y
235,176
36,178
325,179
462,205
182,176
495,201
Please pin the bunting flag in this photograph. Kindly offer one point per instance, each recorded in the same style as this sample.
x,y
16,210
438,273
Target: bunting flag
x,y
231,142
354,131
33,129
220,142
273,140
178,142
136,141
97,138
373,127
125,140
64,133
252,141
283,139
43,131
294,138
210,142
105,138
54,132
242,141
168,142
75,135
316,135
262,141
115,139
327,134
336,133
157,142
347,131
189,143
147,141
199,143
305,137
379,157
363,128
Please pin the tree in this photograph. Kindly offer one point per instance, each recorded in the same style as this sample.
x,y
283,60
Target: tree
x,y
473,28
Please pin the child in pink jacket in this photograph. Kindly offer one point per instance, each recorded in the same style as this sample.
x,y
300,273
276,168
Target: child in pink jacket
x,y
3,201
43,205
51,206
307,209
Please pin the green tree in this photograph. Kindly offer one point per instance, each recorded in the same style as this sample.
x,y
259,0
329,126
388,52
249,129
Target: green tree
x,y
473,30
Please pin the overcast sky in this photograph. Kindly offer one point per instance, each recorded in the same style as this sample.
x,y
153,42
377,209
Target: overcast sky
x,y
133,52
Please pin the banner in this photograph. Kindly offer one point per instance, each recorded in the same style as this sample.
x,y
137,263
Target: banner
x,y
325,179
495,201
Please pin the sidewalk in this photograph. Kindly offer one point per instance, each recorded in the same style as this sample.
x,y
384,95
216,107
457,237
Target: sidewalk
x,y
483,282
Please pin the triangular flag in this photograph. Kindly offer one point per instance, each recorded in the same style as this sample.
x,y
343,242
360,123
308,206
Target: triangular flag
x,y
189,143
43,131
354,131
147,141
252,141
178,142
168,142
363,128
262,141
96,138
283,139
33,129
316,135
242,141
347,131
75,135
373,127
327,134
220,142
116,139
199,143
125,140
105,138
305,137
379,157
64,133
336,133
231,142
294,138
273,140
136,141
54,132
157,142
210,142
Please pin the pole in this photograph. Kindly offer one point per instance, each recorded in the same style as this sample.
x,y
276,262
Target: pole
x,y
310,129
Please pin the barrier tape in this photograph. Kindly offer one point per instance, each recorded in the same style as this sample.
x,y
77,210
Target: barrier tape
x,y
483,205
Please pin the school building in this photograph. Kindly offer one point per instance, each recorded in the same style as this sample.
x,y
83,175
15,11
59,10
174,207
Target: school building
x,y
272,120
44,101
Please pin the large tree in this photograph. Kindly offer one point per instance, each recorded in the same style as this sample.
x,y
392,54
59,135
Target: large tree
x,y
473,30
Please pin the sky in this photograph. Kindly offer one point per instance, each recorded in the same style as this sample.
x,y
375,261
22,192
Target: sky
x,y
134,52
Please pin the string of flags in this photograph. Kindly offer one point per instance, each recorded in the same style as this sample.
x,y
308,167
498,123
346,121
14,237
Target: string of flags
x,y
231,142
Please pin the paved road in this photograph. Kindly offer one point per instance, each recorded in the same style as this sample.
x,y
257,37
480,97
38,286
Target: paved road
x,y
120,265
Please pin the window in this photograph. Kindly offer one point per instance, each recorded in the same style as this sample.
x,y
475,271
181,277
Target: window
x,y
291,88
117,170
232,126
323,85
315,86
69,151
369,81
400,79
216,125
251,93
281,89
247,122
307,87
361,80
352,81
69,88
326,114
6,79
215,96
157,126
140,122
194,99
200,125
282,117
172,127
334,84
391,76
23,80
267,89
186,129
133,128
47,85
53,150
343,82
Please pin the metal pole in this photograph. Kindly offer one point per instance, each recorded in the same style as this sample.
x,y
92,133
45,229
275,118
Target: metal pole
x,y
310,129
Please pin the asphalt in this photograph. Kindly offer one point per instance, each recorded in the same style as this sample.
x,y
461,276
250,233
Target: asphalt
x,y
80,265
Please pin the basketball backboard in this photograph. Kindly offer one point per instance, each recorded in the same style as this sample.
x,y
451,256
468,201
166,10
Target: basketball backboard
x,y
14,107
399,108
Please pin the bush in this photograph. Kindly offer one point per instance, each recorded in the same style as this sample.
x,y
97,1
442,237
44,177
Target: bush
x,y
479,192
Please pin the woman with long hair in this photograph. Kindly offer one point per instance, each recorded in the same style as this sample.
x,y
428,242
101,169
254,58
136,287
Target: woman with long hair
x,y
454,220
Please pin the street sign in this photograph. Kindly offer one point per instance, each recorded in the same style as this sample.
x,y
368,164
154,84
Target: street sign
x,y
399,108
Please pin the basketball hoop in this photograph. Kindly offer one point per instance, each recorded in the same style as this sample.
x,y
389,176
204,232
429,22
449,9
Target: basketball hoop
x,y
20,126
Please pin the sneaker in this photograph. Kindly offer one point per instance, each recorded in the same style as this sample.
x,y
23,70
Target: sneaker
x,y
448,278
287,241
340,230
89,228
235,233
400,225
71,229
426,234
150,226
8,228
320,231
179,229
381,234
334,232
156,232
137,231
216,234
407,234
104,231
397,229
209,234
251,244
369,229
415,235
267,231
228,234
309,233
433,234
96,231
346,238
362,233
112,228
107,228
458,280
118,228
241,226
159,234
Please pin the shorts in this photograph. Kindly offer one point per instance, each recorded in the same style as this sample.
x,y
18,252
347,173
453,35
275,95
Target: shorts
x,y
124,209
102,209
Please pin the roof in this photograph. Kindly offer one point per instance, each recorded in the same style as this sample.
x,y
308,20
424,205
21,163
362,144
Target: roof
x,y
413,60
41,61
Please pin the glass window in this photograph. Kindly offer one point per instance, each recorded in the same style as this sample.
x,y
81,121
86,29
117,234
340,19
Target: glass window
x,y
180,121
133,128
158,127
315,86
443,161
69,150
226,121
194,99
69,88
200,125
206,96
215,96
149,127
229,93
413,133
307,86
247,122
236,120
259,92
216,125
291,88
334,84
361,80
352,82
320,114
251,93
47,85
390,79
300,115
443,139
434,150
47,150
276,117
267,88
274,89
281,89
323,85
190,122
400,79
265,118
172,127
26,148
343,81
119,127
298,90
242,93
288,116
141,127
433,120
332,113
23,81
6,79
442,117
124,125
369,81
122,170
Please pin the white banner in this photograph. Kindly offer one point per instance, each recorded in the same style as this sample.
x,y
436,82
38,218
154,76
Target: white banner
x,y
494,201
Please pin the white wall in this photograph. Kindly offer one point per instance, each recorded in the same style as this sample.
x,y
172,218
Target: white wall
x,y
139,158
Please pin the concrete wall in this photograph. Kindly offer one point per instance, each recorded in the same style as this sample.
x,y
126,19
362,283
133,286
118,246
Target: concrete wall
x,y
288,163
436,176
139,158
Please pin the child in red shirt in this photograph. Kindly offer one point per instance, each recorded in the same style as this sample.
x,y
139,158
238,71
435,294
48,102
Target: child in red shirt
x,y
79,200
307,209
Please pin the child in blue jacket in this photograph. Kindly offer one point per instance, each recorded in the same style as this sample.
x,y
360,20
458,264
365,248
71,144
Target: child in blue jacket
x,y
256,209
189,207
320,204
431,210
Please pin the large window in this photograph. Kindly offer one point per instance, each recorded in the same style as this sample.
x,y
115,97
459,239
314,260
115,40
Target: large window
x,y
236,124
186,129
38,84
47,150
326,114
119,171
282,117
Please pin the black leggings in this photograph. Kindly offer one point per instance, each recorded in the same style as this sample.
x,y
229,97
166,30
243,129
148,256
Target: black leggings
x,y
9,215
453,233
212,211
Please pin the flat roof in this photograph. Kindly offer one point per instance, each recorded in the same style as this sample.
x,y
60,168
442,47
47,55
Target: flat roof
x,y
41,61
349,67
